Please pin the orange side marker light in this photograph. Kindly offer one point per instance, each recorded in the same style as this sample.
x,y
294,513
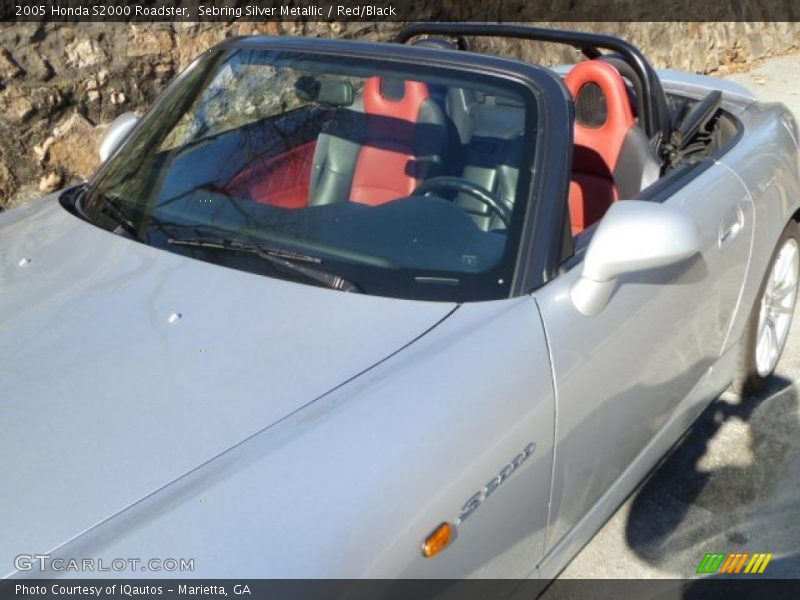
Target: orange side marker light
x,y
438,540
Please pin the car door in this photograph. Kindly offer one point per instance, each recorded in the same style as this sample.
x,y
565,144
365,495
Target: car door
x,y
630,379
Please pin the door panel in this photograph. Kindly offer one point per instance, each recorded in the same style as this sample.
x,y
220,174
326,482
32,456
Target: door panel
x,y
474,401
622,374
723,209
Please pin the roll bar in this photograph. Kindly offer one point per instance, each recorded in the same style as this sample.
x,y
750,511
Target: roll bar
x,y
653,111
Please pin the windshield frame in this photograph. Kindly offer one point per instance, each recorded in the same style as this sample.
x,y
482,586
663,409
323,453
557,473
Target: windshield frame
x,y
540,87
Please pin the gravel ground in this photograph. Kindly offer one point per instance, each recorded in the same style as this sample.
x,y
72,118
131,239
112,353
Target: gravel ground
x,y
734,482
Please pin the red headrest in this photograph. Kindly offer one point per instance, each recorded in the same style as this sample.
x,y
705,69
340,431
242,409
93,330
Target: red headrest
x,y
404,105
606,139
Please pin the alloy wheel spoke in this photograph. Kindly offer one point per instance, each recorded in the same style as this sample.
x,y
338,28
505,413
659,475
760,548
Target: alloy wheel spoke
x,y
783,268
775,344
780,291
779,309
763,342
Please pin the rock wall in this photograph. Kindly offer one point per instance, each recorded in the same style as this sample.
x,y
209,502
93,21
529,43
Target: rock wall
x,y
60,83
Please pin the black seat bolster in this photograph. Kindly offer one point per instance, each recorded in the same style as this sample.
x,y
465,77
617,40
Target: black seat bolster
x,y
335,157
492,161
332,169
431,138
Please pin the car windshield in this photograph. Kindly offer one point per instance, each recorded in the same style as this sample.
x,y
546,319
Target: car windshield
x,y
403,180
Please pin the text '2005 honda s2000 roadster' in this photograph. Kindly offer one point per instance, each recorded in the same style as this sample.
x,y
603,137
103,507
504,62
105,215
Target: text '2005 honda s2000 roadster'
x,y
398,310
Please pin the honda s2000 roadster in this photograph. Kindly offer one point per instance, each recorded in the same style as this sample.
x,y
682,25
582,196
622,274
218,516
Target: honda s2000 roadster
x,y
399,310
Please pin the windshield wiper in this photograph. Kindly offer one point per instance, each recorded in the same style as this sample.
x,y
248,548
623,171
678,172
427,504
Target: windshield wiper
x,y
294,262
120,216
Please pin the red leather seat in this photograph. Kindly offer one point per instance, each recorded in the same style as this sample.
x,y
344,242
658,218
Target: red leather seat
x,y
599,139
281,180
388,166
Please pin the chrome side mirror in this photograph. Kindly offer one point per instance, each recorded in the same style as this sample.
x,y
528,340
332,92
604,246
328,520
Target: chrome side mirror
x,y
116,133
633,236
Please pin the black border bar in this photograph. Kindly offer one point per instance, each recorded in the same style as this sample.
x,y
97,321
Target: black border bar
x,y
711,588
398,10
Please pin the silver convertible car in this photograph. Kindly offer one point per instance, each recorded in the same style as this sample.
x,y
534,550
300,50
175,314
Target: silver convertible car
x,y
340,309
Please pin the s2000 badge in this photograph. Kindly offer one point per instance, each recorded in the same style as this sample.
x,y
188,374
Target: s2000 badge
x,y
495,482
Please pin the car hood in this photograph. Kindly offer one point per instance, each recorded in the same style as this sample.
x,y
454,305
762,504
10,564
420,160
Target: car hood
x,y
123,367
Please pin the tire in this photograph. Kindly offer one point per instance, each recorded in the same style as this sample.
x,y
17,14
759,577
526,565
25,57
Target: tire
x,y
756,364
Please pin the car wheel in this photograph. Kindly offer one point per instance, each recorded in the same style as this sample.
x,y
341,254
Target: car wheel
x,y
771,315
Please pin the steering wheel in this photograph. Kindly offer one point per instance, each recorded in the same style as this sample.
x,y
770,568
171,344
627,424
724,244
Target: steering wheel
x,y
459,184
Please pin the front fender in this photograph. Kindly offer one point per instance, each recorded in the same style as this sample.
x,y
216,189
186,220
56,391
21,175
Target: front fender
x,y
350,485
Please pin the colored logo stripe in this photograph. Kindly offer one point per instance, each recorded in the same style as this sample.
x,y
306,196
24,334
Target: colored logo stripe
x,y
714,562
758,563
734,563
711,562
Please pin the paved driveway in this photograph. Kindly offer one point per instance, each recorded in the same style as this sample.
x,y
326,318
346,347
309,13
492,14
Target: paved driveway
x,y
734,482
